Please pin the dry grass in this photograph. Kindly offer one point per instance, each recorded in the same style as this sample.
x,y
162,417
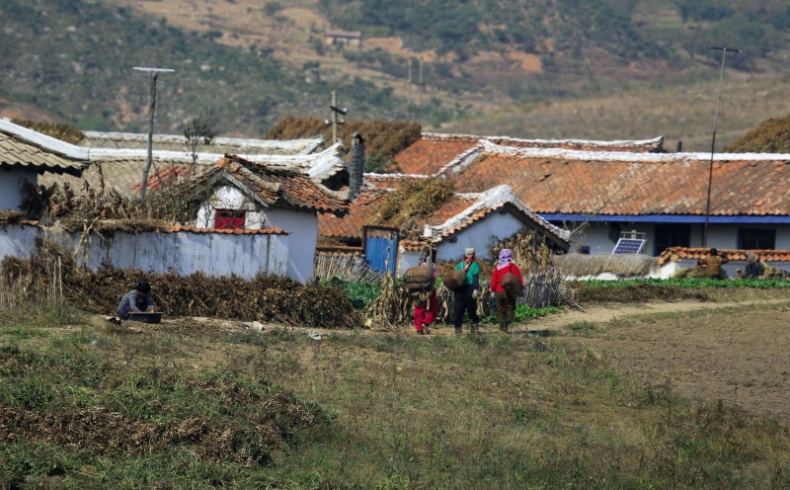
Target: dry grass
x,y
621,265
412,200
381,137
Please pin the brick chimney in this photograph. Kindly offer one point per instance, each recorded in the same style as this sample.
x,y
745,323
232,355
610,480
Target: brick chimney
x,y
357,166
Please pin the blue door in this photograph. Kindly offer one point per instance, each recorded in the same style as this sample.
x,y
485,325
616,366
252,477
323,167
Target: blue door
x,y
381,253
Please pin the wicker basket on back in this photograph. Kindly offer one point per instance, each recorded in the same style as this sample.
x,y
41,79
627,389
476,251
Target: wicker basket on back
x,y
512,286
418,279
454,279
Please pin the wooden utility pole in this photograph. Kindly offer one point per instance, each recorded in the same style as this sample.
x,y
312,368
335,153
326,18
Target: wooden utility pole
x,y
151,112
724,51
335,111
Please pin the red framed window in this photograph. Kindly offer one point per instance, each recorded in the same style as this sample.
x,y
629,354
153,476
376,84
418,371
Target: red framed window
x,y
229,218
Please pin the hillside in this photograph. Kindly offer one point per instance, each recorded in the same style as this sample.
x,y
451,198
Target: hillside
x,y
609,69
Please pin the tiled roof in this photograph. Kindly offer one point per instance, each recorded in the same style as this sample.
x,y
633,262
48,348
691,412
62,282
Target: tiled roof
x,y
360,212
615,183
698,253
227,231
244,147
451,217
280,187
122,169
125,175
432,151
23,147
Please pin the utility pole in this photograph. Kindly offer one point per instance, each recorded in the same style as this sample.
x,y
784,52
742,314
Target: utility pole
x,y
335,111
151,111
724,50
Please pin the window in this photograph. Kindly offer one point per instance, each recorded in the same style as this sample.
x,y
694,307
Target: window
x,y
229,218
676,235
756,239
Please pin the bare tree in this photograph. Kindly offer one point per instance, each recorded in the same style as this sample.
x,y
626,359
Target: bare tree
x,y
198,130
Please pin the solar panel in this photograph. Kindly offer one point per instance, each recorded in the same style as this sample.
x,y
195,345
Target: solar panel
x,y
629,246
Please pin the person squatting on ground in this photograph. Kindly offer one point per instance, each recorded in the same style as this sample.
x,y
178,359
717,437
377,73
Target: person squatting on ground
x,y
465,297
505,305
425,304
137,300
712,264
754,268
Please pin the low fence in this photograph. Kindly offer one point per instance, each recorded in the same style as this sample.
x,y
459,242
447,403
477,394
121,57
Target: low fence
x,y
184,252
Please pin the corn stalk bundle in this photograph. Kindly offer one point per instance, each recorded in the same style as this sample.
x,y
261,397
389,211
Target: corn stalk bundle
x,y
547,287
393,307
345,267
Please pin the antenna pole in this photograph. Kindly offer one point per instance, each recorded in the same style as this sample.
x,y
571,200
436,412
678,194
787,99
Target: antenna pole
x,y
151,112
724,50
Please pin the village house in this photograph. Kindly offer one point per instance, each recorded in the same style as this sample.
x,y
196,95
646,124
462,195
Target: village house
x,y
249,196
260,219
479,220
604,195
24,156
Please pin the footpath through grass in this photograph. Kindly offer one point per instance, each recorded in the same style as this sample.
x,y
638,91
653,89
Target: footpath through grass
x,y
83,406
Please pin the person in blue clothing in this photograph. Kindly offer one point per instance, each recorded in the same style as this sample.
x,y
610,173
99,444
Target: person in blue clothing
x,y
136,301
465,297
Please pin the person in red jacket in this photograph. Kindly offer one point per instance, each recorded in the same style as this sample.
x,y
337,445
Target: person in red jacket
x,y
505,305
425,305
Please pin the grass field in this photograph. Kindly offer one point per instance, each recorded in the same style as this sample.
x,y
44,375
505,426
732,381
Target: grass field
x,y
86,405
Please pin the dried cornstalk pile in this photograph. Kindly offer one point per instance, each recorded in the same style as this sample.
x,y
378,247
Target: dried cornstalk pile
x,y
52,271
61,131
412,200
9,217
346,267
393,307
529,252
547,287
385,138
621,265
172,204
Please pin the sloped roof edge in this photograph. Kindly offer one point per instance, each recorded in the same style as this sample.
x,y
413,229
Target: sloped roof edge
x,y
492,199
44,141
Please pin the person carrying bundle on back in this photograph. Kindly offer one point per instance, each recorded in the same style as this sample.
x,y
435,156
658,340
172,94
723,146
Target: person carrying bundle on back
x,y
425,305
465,296
506,284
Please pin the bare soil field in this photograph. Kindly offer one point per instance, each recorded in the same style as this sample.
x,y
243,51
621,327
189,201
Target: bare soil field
x,y
735,352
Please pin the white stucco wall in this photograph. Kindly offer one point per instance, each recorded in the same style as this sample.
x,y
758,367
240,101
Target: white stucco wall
x,y
482,235
183,253
303,226
11,184
18,241
229,197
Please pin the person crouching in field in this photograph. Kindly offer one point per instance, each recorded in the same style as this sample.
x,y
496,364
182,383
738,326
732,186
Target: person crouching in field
x,y
505,303
712,264
425,305
137,300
